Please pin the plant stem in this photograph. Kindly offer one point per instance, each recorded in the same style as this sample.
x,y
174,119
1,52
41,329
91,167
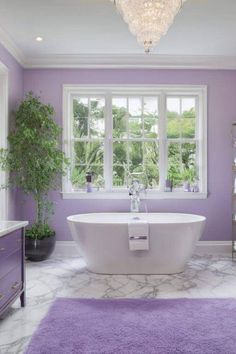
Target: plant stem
x,y
39,209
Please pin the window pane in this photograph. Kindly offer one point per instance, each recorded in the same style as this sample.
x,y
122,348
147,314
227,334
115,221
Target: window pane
x,y
151,152
88,157
119,113
88,153
97,107
150,107
97,121
80,114
151,163
95,153
98,175
78,176
80,149
150,127
188,127
175,164
135,156
97,128
120,102
135,107
173,107
119,176
188,118
190,173
189,155
152,173
173,118
80,128
182,163
135,127
120,153
188,107
173,128
80,107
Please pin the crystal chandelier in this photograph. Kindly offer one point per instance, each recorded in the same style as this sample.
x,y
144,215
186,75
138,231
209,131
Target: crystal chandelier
x,y
148,20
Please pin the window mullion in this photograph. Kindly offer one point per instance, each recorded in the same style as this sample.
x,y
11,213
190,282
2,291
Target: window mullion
x,y
69,143
162,141
199,145
128,142
89,118
108,148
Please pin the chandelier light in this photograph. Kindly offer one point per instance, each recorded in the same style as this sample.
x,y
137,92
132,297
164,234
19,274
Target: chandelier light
x,y
148,20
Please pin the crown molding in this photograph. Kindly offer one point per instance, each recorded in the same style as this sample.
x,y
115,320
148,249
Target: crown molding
x,y
117,61
11,47
132,61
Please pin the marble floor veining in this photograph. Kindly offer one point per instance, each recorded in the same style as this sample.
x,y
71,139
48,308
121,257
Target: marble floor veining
x,y
205,276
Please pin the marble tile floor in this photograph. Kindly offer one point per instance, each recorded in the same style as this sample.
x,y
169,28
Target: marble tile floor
x,y
206,276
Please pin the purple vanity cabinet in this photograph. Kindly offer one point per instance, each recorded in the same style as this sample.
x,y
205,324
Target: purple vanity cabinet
x,y
12,268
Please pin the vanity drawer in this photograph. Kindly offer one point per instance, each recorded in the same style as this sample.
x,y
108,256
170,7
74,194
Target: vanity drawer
x,y
10,285
10,243
10,262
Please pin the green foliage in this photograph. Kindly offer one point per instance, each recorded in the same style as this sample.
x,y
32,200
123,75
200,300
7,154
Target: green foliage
x,y
39,231
189,175
181,125
181,163
143,156
88,155
136,157
119,122
89,158
34,159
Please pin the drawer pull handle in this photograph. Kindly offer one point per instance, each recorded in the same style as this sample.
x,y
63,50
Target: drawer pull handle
x,y
1,296
2,248
15,285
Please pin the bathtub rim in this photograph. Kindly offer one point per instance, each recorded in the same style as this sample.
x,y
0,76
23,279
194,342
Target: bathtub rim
x,y
75,218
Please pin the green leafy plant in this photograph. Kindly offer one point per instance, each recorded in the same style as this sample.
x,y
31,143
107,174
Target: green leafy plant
x,y
39,231
34,159
189,175
173,175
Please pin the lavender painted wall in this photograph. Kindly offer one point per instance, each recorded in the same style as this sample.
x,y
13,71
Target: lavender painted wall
x,y
221,113
15,94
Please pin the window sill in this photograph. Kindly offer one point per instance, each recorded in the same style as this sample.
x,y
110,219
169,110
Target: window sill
x,y
124,195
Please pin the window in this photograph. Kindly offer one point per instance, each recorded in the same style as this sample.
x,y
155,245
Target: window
x,y
151,133
135,140
88,135
182,139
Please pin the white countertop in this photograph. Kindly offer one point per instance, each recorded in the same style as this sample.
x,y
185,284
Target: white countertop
x,y
8,226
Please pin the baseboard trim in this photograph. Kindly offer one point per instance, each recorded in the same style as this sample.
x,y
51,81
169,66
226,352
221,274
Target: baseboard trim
x,y
70,248
66,249
214,247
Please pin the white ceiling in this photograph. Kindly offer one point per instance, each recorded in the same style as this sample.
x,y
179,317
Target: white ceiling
x,y
89,27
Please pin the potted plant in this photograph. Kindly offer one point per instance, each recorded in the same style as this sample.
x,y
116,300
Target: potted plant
x,y
168,184
35,163
189,177
171,179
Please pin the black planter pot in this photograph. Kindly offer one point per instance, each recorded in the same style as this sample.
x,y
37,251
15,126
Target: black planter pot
x,y
39,250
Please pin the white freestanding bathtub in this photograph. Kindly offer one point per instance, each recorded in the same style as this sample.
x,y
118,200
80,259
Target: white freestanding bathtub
x,y
103,242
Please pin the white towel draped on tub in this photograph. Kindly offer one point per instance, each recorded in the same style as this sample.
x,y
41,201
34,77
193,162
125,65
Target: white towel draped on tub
x,y
138,235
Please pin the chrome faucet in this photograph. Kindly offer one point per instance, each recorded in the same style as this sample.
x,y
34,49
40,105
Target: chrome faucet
x,y
134,193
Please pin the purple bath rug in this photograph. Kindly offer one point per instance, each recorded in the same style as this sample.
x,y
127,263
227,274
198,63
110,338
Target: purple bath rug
x,y
137,326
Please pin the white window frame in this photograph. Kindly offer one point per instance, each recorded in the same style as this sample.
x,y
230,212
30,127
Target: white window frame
x,y
199,91
4,195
